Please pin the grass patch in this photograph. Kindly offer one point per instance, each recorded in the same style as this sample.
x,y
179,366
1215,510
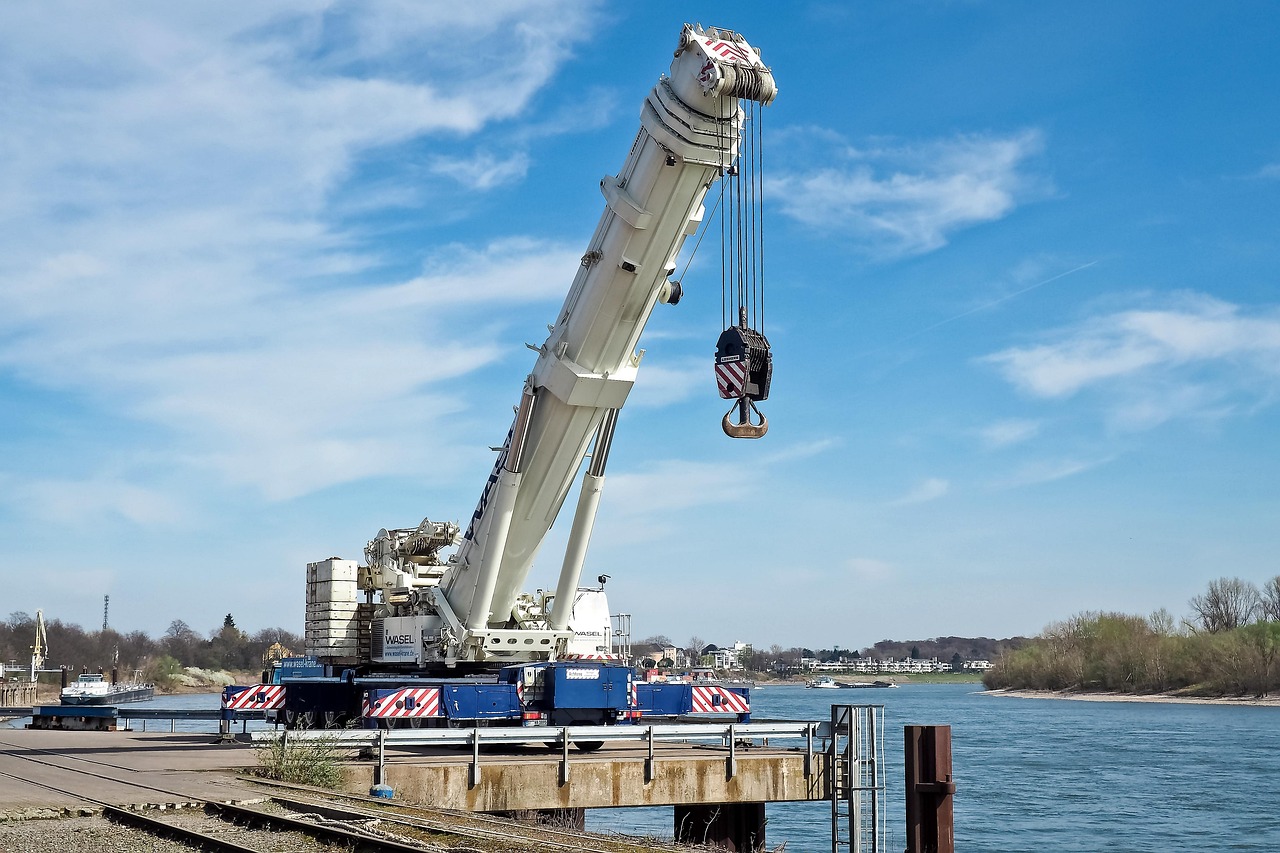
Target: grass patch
x,y
311,761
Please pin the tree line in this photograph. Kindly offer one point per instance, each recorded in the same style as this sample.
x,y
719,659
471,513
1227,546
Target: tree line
x,y
649,652
1228,645
158,659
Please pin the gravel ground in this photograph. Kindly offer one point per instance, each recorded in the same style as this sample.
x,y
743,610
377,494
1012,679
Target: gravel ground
x,y
98,835
80,835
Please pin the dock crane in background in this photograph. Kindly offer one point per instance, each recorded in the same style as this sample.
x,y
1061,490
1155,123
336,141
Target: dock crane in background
x,y
40,648
424,615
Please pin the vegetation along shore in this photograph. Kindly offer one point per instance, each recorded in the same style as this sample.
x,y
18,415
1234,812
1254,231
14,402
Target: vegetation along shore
x,y
1226,647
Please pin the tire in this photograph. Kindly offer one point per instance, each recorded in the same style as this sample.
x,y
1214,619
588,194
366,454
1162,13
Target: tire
x,y
587,745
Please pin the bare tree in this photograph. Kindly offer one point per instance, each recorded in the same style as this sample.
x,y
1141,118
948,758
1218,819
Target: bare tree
x,y
1162,623
694,649
1270,606
1227,604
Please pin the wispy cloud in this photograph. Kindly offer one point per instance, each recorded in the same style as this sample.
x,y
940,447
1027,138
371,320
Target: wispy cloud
x,y
1008,432
909,198
88,501
483,170
1271,171
1197,331
178,249
1049,470
664,384
928,490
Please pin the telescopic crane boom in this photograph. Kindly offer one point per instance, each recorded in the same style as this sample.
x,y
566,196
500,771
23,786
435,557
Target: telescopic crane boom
x,y
470,608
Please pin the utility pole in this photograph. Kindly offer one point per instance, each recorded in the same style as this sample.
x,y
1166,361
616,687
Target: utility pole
x,y
106,608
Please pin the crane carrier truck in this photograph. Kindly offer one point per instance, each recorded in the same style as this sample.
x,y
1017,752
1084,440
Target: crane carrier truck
x,y
412,637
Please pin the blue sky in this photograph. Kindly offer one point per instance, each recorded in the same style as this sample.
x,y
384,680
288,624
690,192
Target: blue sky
x,y
267,273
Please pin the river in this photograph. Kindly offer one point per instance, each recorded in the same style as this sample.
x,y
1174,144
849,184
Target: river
x,y
1052,775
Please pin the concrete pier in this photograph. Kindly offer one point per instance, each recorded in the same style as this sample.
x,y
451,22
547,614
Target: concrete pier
x,y
718,793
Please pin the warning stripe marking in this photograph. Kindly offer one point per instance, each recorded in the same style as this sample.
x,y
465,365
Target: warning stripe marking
x,y
425,702
730,702
264,697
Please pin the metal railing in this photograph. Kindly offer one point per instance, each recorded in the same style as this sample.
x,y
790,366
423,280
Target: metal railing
x,y
809,736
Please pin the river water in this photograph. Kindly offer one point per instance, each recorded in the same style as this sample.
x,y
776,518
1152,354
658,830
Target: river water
x,y
1052,775
1031,774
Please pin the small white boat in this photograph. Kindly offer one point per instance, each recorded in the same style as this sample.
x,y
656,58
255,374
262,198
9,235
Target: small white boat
x,y
823,681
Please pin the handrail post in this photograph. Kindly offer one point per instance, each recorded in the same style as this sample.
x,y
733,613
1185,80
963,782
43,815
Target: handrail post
x,y
382,756
808,752
564,760
475,757
648,762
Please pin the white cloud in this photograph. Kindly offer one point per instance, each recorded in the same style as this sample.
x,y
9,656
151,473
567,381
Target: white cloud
x,y
908,199
175,250
1008,432
1049,470
1271,170
672,485
87,501
666,384
928,490
483,171
1162,345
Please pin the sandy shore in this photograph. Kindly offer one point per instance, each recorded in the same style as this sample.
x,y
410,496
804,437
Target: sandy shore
x,y
1270,701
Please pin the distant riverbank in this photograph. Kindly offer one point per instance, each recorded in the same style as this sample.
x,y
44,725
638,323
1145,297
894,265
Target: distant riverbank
x,y
1172,698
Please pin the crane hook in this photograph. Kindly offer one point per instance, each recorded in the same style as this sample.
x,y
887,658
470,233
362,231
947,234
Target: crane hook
x,y
744,428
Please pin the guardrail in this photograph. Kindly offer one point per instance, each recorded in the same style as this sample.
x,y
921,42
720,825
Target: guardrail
x,y
730,735
512,735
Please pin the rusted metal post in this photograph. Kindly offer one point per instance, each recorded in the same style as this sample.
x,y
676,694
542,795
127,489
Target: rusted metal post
x,y
930,815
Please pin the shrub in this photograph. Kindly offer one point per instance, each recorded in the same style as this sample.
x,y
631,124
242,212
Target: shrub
x,y
316,761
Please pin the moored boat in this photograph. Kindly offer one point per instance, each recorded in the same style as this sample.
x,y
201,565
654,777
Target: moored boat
x,y
866,684
92,689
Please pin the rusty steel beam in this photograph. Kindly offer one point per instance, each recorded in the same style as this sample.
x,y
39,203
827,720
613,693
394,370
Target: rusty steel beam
x,y
930,815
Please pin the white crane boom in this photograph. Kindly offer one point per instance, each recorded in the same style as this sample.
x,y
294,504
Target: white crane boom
x,y
691,126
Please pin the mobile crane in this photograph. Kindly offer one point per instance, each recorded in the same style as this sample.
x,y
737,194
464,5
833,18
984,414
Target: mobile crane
x,y
426,616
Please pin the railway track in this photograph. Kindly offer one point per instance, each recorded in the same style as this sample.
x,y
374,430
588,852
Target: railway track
x,y
289,818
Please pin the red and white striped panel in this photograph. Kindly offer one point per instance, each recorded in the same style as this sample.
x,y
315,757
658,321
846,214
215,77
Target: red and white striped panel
x,y
264,697
730,702
731,378
634,696
426,703
594,656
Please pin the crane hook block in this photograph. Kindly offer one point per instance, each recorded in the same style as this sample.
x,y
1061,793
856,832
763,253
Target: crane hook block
x,y
744,364
744,368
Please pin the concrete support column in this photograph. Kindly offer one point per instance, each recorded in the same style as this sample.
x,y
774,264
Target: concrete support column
x,y
731,826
